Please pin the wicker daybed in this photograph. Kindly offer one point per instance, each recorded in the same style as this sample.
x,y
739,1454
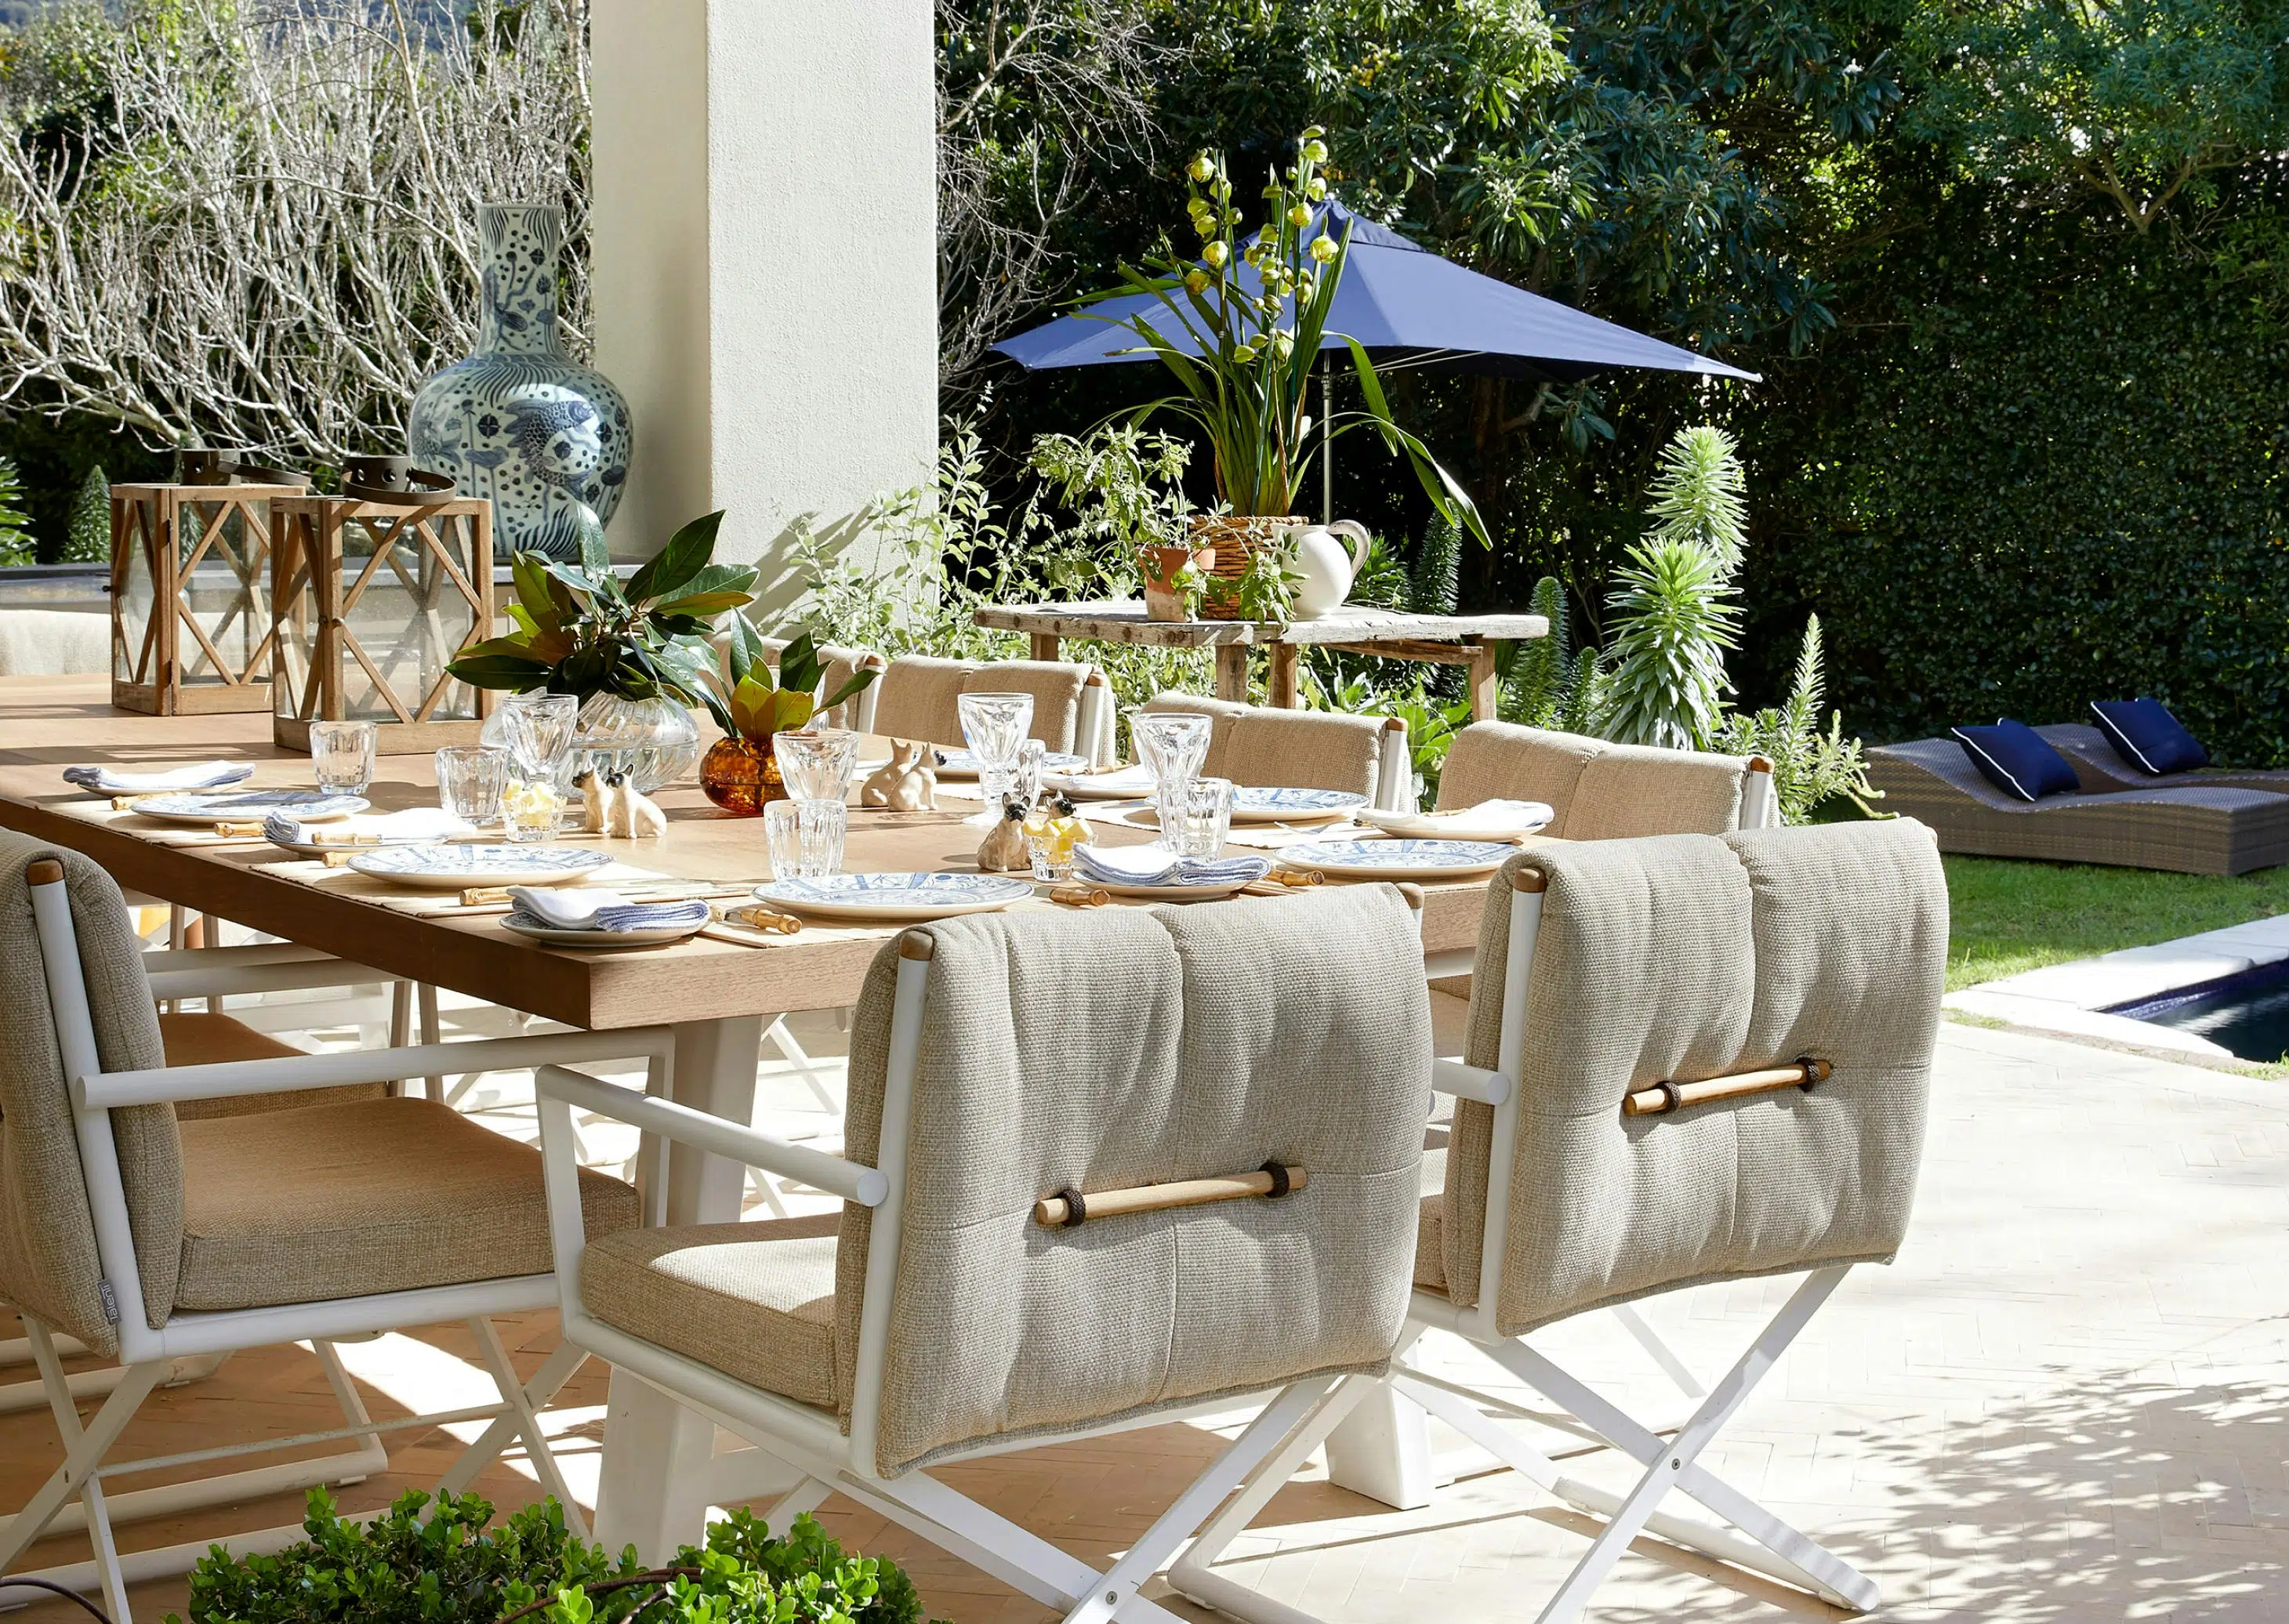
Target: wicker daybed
x,y
2190,828
2101,767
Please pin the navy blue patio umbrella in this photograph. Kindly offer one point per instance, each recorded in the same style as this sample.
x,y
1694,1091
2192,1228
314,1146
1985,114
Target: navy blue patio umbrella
x,y
1409,307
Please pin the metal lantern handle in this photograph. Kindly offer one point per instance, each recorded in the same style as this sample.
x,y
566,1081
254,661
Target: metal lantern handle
x,y
396,482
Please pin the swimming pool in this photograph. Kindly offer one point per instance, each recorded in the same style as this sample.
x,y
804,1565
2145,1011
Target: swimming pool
x,y
2246,1013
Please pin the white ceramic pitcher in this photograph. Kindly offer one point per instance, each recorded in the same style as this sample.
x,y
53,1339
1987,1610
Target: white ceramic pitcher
x,y
1326,567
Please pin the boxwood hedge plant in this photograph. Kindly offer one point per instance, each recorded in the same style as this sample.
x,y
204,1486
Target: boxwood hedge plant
x,y
449,1564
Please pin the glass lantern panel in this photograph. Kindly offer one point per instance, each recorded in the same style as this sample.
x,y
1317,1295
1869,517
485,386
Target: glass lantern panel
x,y
410,618
226,593
129,662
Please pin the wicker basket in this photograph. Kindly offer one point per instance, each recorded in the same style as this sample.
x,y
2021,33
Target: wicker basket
x,y
1236,538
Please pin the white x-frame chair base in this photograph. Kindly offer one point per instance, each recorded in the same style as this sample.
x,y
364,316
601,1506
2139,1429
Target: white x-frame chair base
x,y
1747,1536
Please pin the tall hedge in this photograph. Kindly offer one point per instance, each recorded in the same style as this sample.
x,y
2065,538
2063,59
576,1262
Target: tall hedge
x,y
2056,472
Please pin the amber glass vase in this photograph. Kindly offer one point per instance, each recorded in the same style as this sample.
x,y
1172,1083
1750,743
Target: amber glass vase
x,y
741,776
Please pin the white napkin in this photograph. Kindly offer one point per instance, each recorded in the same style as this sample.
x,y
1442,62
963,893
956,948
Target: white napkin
x,y
415,826
203,776
1489,820
605,912
1149,865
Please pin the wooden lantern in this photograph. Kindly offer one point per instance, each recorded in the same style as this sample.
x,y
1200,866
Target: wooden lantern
x,y
372,599
190,597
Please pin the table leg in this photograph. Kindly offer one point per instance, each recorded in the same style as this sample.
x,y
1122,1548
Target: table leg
x,y
1232,672
1283,680
656,1473
1486,689
1046,645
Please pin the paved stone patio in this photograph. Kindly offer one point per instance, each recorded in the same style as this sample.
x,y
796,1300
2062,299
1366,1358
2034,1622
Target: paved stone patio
x,y
2068,1401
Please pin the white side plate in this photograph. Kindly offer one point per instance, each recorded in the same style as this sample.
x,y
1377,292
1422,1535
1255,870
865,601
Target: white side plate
x,y
891,899
249,805
450,868
1399,859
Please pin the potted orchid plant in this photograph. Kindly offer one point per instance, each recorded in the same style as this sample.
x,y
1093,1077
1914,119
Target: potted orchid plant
x,y
1239,330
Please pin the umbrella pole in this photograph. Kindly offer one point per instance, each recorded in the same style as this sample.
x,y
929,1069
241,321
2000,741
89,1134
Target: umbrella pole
x,y
1327,441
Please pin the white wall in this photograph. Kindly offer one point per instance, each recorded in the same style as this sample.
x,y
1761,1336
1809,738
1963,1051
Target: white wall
x,y
764,260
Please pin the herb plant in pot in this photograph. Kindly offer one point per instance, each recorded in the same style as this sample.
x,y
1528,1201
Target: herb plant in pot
x,y
634,652
1241,331
740,772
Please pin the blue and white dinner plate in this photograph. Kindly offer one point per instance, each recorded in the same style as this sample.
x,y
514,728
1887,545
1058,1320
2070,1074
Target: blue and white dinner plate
x,y
1255,803
961,764
237,806
1399,859
450,868
891,899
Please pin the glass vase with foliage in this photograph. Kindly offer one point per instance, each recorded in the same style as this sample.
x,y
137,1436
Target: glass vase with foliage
x,y
753,703
1241,330
633,651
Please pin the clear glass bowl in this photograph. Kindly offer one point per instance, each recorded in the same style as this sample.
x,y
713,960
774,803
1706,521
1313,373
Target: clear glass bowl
x,y
652,742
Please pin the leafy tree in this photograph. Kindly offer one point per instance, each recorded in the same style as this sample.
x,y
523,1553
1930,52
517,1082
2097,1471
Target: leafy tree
x,y
2141,101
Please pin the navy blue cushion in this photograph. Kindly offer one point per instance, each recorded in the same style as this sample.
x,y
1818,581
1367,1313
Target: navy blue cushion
x,y
2144,734
2017,760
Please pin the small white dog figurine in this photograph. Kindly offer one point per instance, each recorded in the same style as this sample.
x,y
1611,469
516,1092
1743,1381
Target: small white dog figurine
x,y
631,816
1004,851
906,782
595,799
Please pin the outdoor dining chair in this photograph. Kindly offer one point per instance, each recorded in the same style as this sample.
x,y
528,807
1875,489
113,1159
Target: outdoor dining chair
x,y
1306,750
1692,1059
1103,1168
159,1208
1601,790
919,696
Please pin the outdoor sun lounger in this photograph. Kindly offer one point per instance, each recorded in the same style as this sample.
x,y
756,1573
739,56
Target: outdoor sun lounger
x,y
2101,767
2190,830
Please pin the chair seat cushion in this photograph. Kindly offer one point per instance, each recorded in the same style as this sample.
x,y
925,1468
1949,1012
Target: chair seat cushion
x,y
1431,1243
209,1039
2144,734
755,1300
373,1195
2017,760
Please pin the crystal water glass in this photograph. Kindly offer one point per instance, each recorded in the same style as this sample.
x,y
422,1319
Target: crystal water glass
x,y
1207,818
994,726
1173,743
805,838
341,753
530,809
470,780
540,730
817,763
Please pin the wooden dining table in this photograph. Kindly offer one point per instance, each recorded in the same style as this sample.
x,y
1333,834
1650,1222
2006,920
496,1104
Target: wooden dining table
x,y
661,1467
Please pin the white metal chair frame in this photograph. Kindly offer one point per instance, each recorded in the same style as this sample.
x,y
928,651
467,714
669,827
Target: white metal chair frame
x,y
810,1439
1749,1536
149,1356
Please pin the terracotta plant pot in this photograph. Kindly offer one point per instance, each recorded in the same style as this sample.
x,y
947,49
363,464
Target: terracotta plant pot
x,y
1161,566
1237,538
741,776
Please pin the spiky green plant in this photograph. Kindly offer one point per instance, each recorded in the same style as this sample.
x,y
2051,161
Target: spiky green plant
x,y
15,528
1542,678
1699,496
1674,620
87,532
1434,581
1808,766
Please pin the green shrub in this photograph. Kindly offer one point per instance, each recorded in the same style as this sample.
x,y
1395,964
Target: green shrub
x,y
87,538
15,528
455,1567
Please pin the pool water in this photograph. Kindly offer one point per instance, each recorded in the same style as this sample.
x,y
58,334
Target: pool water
x,y
2246,1014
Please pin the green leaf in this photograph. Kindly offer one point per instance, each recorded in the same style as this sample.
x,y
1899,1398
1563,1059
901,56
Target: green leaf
x,y
596,556
499,672
685,556
713,590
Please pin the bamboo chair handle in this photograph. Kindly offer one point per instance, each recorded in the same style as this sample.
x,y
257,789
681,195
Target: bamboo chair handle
x,y
1665,1097
1069,1207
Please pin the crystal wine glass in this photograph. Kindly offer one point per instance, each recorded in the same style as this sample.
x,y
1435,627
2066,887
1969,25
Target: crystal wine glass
x,y
1173,743
995,726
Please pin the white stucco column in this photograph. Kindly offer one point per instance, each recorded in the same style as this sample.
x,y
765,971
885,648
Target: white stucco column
x,y
763,256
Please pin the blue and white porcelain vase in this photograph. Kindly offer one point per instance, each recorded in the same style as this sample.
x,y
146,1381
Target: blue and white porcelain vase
x,y
520,421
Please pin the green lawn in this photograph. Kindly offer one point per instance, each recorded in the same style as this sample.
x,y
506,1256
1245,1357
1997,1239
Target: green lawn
x,y
2009,917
